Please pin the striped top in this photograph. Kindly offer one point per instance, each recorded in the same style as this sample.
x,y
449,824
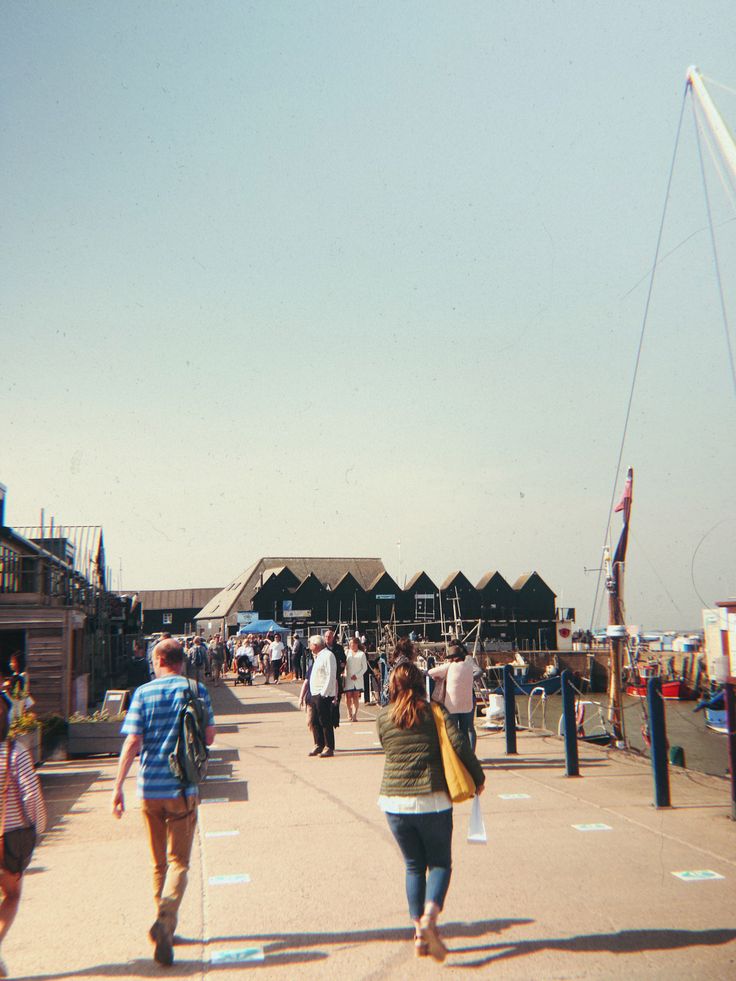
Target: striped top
x,y
153,714
23,789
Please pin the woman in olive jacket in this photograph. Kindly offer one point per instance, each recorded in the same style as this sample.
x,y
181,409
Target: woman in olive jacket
x,y
415,800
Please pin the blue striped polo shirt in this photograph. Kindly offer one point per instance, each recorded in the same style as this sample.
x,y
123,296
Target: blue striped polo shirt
x,y
153,714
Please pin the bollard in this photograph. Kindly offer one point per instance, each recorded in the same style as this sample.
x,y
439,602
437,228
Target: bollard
x,y
572,768
729,697
658,734
509,705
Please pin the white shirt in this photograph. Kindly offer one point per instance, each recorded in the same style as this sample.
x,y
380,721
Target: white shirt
x,y
422,804
323,679
276,651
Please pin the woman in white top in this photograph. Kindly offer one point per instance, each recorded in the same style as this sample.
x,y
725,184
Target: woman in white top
x,y
356,666
275,655
458,674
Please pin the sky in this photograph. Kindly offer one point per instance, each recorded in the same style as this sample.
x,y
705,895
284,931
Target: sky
x,y
350,278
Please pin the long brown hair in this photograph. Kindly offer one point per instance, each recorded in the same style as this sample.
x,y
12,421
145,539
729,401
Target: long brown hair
x,y
407,695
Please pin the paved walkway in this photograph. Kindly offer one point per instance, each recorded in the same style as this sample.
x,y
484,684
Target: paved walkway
x,y
294,866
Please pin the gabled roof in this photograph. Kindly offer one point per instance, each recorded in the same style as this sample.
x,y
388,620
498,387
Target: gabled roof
x,y
239,593
415,579
452,578
174,599
386,578
488,577
528,577
348,580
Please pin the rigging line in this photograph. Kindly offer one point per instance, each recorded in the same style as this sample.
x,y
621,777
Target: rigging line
x,y
724,313
641,340
697,549
654,569
679,245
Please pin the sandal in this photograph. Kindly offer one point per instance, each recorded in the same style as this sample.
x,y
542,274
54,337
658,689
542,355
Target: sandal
x,y
429,934
421,948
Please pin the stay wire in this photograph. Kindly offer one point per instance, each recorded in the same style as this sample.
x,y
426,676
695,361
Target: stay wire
x,y
639,350
716,263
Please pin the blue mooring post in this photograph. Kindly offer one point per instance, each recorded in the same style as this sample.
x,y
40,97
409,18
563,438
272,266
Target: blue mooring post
x,y
509,708
658,735
572,767
730,699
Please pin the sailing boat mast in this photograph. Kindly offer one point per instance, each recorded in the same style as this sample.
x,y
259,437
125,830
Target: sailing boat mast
x,y
718,128
616,615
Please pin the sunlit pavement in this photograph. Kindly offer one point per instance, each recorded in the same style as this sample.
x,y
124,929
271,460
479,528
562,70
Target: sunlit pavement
x,y
294,872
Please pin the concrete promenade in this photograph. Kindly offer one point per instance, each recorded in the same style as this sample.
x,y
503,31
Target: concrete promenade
x,y
294,866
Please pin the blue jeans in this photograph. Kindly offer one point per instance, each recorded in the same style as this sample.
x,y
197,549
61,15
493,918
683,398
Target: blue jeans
x,y
464,722
425,841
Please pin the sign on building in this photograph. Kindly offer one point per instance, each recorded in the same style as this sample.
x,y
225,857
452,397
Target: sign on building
x,y
424,606
246,616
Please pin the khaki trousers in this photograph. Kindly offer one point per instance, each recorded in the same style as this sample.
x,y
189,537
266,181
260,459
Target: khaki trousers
x,y
170,822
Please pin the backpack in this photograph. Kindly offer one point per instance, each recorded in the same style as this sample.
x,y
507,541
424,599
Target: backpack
x,y
188,762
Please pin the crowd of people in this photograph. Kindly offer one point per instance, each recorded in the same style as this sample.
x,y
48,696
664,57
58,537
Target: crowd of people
x,y
414,792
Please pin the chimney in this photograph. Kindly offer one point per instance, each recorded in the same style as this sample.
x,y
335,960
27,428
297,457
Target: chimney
x,y
3,492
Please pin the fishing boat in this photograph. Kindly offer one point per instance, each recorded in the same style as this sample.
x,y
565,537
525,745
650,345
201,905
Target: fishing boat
x,y
672,689
714,708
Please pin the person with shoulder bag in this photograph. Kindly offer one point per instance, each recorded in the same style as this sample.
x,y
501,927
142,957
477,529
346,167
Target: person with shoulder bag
x,y
416,795
23,818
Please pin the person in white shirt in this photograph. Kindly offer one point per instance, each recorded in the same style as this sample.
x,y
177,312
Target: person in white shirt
x,y
356,666
323,691
275,656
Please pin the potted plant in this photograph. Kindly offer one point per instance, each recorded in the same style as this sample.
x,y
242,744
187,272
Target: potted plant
x,y
26,730
95,734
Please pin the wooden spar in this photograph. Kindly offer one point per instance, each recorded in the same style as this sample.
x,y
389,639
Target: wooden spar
x,y
615,639
616,616
718,128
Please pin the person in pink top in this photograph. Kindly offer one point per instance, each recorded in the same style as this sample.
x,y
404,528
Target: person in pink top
x,y
457,674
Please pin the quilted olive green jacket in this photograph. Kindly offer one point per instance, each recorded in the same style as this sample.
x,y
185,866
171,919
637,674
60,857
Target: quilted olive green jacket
x,y
413,763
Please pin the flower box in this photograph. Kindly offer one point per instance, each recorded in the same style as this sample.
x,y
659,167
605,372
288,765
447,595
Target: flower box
x,y
31,740
95,738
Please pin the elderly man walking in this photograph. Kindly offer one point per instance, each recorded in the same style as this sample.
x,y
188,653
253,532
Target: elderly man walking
x,y
169,809
323,690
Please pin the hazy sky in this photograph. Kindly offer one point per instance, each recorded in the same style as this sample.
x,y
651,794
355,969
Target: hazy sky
x,y
314,278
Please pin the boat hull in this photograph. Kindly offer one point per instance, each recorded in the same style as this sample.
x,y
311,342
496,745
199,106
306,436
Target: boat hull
x,y
670,690
716,721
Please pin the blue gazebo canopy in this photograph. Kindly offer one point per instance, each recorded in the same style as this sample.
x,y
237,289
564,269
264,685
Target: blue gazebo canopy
x,y
262,627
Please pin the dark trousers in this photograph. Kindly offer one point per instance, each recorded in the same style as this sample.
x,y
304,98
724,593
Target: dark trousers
x,y
324,732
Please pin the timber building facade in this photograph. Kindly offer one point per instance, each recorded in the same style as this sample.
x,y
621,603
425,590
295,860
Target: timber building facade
x,y
72,635
359,592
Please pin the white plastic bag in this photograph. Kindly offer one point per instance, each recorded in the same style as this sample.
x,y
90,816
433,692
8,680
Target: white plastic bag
x,y
476,827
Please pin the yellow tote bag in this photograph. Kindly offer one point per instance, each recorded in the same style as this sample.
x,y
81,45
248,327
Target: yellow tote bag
x,y
460,784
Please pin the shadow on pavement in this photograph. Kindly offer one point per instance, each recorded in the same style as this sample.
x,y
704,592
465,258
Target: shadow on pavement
x,y
624,942
537,763
279,949
225,702
63,784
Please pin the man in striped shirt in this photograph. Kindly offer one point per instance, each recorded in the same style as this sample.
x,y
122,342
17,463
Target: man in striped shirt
x,y
169,810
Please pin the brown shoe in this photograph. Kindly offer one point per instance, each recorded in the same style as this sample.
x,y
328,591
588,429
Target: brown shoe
x,y
316,751
428,933
163,952
327,752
